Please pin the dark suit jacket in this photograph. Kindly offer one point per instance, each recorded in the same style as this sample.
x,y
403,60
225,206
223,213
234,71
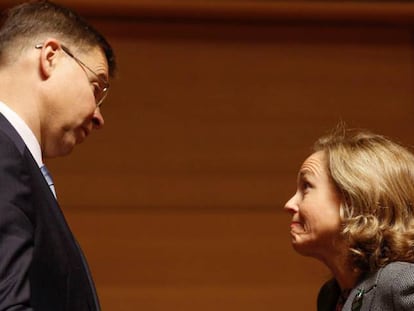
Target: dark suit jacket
x,y
41,265
390,288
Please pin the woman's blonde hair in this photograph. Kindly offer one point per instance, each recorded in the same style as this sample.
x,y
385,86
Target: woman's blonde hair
x,y
375,178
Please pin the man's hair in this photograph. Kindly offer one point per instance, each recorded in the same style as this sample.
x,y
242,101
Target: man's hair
x,y
27,24
375,178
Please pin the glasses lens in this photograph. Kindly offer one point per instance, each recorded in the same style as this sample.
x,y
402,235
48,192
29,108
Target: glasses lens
x,y
102,92
101,96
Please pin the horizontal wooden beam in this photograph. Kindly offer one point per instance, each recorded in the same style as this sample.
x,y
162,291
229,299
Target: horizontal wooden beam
x,y
381,12
370,12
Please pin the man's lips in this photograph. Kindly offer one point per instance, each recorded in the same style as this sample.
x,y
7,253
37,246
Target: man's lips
x,y
82,133
86,131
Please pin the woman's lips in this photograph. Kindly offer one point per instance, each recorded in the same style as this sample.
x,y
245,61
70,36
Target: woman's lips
x,y
296,226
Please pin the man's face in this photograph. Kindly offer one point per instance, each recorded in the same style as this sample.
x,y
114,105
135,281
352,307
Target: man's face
x,y
71,112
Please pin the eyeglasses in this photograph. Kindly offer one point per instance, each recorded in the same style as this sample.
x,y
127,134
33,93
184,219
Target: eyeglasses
x,y
99,92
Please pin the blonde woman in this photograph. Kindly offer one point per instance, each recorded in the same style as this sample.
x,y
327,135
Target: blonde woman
x,y
353,210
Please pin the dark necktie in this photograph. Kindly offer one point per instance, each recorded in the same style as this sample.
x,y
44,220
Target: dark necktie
x,y
48,178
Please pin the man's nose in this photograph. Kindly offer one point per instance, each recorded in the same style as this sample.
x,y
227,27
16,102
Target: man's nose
x,y
97,119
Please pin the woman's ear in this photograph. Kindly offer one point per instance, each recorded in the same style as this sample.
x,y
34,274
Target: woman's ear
x,y
49,52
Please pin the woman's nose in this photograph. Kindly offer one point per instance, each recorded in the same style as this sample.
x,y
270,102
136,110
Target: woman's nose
x,y
291,205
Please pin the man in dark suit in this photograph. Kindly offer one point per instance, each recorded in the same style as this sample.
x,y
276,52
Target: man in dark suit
x,y
54,71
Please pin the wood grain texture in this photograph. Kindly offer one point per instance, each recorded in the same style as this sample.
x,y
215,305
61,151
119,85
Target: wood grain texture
x,y
360,12
184,259
178,200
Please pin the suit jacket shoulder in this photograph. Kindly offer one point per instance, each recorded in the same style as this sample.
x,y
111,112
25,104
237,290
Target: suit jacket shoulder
x,y
390,288
41,264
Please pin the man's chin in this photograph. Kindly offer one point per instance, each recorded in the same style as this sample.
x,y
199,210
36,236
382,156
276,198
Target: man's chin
x,y
59,151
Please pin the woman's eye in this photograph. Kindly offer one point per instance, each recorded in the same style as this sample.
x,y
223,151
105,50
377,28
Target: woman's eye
x,y
306,185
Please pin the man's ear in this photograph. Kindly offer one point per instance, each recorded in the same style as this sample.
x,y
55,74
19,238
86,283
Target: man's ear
x,y
49,52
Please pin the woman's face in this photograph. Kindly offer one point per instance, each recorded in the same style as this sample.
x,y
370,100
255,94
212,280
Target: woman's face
x,y
315,226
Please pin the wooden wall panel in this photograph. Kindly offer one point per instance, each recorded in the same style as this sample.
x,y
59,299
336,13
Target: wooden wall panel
x,y
178,200
203,115
361,11
182,259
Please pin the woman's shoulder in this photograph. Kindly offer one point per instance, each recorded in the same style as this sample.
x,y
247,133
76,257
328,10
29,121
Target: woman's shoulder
x,y
396,275
397,269
395,285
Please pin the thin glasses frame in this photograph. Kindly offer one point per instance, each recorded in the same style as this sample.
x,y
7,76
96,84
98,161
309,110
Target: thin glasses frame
x,y
103,84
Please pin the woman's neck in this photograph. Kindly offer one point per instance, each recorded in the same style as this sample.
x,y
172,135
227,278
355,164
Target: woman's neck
x,y
345,274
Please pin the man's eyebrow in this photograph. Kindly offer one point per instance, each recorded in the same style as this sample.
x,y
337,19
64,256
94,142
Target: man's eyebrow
x,y
103,78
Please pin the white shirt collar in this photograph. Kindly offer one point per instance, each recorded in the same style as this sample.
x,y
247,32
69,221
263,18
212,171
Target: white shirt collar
x,y
24,131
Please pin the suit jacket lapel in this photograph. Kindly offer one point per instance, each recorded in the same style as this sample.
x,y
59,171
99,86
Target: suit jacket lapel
x,y
10,131
363,293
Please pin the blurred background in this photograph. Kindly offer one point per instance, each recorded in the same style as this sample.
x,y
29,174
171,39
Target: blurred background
x,y
178,201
